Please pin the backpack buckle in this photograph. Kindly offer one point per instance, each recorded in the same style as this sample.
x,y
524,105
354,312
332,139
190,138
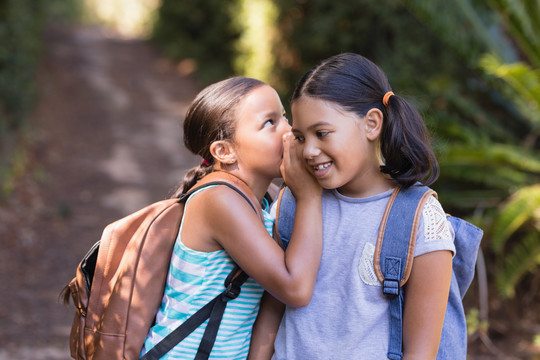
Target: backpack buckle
x,y
231,292
391,288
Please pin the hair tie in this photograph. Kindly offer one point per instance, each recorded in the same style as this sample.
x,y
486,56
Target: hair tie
x,y
386,97
205,162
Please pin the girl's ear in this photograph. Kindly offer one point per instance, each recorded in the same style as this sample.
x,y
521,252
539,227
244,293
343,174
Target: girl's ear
x,y
373,123
223,152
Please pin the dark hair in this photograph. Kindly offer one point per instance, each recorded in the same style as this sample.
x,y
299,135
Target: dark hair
x,y
210,118
356,84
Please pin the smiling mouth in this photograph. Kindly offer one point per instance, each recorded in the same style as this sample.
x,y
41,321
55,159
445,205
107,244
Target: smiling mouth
x,y
321,167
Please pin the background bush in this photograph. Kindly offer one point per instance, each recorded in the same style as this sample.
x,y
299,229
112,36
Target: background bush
x,y
200,30
21,28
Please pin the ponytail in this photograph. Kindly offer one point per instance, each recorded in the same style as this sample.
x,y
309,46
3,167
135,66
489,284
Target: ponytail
x,y
405,145
192,176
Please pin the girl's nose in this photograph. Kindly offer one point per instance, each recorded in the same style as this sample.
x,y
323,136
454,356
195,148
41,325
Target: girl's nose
x,y
310,151
284,128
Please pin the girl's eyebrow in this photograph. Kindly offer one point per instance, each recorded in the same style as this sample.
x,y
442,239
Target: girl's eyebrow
x,y
271,114
312,126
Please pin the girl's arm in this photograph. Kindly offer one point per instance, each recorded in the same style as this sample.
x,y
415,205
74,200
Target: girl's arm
x,y
289,276
425,304
265,328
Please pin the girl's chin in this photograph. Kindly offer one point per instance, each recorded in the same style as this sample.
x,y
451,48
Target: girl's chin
x,y
328,184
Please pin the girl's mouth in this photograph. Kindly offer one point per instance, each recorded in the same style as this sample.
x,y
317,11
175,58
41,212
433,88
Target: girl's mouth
x,y
321,169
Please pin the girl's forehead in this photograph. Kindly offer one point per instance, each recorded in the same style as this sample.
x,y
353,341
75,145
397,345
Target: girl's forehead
x,y
307,111
260,98
317,107
305,102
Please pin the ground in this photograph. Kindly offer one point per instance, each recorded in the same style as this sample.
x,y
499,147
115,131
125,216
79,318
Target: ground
x,y
105,141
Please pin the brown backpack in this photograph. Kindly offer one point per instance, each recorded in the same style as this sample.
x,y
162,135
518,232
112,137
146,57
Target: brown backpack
x,y
119,284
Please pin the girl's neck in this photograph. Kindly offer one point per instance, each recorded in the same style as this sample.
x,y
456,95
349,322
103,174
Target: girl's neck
x,y
367,186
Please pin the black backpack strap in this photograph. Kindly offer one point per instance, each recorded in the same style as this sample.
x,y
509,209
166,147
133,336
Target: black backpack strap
x,y
213,311
233,284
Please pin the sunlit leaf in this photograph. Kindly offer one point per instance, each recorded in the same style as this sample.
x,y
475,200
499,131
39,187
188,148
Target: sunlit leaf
x,y
520,208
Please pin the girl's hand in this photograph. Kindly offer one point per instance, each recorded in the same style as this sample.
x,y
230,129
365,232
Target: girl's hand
x,y
294,171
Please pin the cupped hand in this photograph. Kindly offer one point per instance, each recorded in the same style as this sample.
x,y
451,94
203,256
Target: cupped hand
x,y
294,171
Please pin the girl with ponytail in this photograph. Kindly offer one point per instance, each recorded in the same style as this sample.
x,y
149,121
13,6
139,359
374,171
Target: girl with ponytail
x,y
238,126
360,141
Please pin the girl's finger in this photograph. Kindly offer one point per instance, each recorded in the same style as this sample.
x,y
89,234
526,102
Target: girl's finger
x,y
286,155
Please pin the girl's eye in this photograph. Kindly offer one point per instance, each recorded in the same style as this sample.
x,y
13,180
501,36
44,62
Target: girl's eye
x,y
322,133
299,138
268,123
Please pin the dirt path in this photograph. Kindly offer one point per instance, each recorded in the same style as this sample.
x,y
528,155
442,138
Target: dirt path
x,y
107,142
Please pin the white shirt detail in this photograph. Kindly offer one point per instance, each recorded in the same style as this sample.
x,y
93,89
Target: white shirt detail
x,y
367,272
435,224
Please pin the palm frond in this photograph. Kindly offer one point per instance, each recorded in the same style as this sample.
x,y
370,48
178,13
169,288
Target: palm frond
x,y
500,157
523,85
524,257
523,23
522,206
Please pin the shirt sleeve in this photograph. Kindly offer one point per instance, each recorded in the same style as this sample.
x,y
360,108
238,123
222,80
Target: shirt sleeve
x,y
435,232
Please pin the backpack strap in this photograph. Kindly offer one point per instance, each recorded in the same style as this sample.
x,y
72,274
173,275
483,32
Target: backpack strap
x,y
233,182
214,310
394,253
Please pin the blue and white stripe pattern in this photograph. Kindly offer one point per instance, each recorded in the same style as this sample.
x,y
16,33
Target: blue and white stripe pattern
x,y
194,279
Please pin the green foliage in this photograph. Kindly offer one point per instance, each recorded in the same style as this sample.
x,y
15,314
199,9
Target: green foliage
x,y
515,238
487,158
521,85
316,29
253,18
474,324
21,25
523,23
199,30
524,257
522,207
516,228
20,31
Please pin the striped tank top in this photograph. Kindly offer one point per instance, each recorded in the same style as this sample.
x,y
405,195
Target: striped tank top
x,y
194,279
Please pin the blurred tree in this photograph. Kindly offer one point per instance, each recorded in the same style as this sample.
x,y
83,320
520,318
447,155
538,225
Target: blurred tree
x,y
132,18
256,23
20,29
21,26
202,31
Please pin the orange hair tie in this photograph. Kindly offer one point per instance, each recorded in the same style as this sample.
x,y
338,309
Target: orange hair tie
x,y
386,97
